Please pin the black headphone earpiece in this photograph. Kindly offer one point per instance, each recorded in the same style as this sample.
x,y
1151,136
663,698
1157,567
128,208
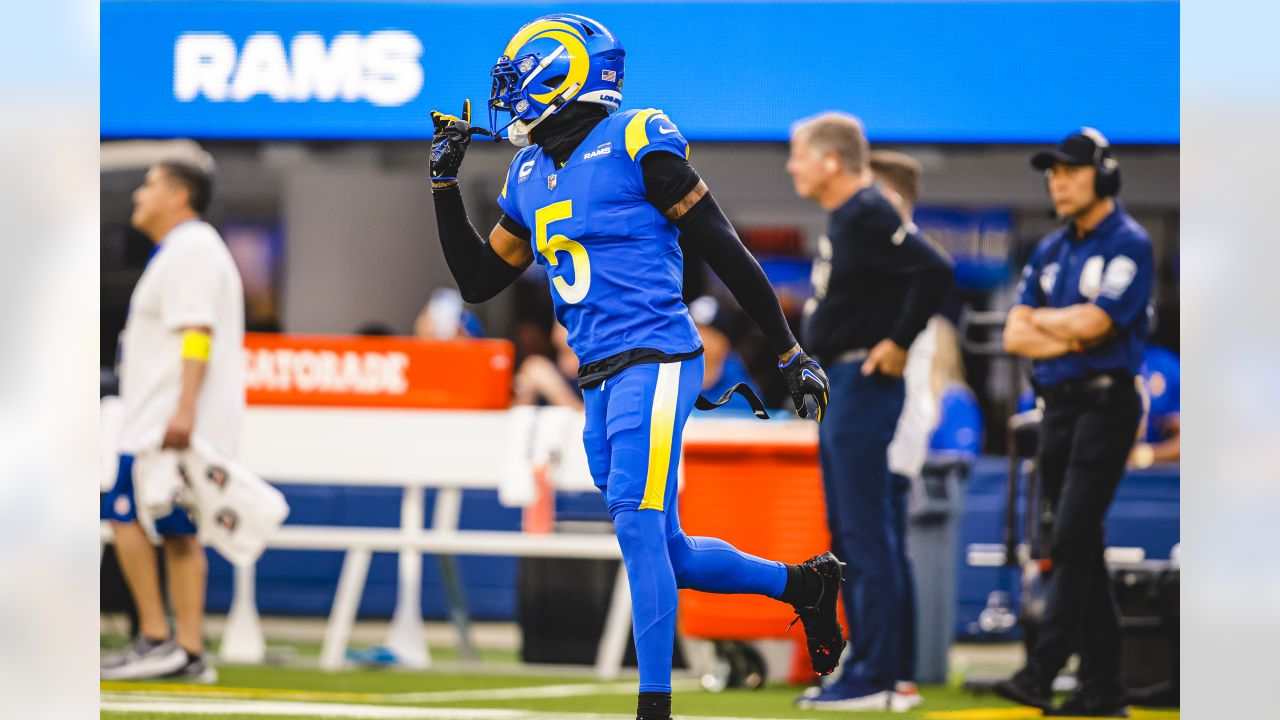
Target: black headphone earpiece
x,y
1107,179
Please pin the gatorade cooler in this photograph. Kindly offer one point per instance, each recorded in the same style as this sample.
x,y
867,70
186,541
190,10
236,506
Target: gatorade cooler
x,y
756,485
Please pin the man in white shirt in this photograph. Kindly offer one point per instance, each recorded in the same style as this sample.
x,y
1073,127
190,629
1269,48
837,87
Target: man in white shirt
x,y
181,375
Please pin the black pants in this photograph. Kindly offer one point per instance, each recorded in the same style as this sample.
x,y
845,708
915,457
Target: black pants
x,y
1087,436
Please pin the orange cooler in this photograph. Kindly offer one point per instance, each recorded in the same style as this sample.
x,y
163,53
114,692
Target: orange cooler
x,y
758,486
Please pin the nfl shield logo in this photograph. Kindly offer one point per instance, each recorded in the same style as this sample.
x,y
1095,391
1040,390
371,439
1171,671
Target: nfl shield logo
x,y
551,182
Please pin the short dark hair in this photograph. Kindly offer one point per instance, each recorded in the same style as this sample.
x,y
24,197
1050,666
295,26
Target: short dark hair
x,y
197,182
901,172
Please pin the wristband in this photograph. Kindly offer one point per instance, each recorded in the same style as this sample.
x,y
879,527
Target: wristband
x,y
196,345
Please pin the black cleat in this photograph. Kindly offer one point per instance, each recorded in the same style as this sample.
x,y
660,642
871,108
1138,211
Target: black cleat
x,y
821,628
1086,705
1023,689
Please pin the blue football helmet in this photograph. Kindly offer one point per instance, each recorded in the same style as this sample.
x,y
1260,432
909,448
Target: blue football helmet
x,y
549,63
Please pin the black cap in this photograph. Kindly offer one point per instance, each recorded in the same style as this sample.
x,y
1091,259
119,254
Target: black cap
x,y
1082,148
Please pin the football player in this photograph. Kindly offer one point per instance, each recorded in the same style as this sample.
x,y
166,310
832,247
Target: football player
x,y
598,197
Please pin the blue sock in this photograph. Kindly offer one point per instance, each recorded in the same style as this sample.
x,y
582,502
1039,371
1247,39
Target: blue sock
x,y
653,594
713,565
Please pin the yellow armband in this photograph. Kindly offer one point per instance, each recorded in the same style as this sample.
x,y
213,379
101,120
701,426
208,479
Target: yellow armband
x,y
195,345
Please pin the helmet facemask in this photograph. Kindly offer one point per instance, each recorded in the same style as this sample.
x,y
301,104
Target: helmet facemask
x,y
512,82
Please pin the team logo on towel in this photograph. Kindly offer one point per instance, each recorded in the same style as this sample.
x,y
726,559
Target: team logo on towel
x,y
218,476
228,519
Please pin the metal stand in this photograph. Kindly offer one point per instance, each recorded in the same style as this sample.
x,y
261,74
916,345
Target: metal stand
x,y
242,640
406,636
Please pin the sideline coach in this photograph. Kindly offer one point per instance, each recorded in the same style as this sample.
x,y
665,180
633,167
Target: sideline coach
x,y
1081,316
876,283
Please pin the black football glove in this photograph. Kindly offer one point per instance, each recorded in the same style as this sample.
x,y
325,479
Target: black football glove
x,y
805,378
449,142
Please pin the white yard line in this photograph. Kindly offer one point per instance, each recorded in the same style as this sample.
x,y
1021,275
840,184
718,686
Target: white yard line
x,y
153,698
318,710
508,693
344,710
522,693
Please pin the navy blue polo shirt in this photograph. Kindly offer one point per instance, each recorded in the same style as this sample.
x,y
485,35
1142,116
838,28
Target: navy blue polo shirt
x,y
873,278
1111,267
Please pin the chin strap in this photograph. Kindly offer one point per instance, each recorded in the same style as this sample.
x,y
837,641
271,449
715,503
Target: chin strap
x,y
743,389
520,137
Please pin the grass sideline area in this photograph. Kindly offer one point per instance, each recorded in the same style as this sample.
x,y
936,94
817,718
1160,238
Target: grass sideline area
x,y
286,693
499,687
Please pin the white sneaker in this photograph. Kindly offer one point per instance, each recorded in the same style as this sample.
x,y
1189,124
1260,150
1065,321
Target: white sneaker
x,y
811,692
830,701
197,670
144,659
906,696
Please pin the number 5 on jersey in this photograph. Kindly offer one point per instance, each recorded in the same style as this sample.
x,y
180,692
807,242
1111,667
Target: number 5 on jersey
x,y
563,210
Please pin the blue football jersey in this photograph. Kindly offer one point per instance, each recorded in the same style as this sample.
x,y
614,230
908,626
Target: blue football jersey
x,y
615,267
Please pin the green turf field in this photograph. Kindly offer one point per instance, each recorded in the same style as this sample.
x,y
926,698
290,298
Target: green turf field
x,y
496,688
256,692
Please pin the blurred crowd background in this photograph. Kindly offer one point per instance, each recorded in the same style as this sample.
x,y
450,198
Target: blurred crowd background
x,y
318,257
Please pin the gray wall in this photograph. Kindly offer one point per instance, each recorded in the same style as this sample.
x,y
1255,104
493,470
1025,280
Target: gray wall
x,y
356,249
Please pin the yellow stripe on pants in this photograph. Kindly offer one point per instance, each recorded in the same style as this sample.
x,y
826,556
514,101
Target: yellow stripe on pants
x,y
662,423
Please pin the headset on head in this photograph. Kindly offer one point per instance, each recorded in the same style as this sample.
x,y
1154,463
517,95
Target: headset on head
x,y
1107,179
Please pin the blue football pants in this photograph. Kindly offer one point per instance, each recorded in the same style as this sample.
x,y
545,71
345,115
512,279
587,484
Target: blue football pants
x,y
634,424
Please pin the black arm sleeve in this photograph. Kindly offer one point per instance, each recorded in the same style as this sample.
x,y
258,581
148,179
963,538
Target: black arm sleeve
x,y
478,270
929,273
513,226
667,178
704,229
